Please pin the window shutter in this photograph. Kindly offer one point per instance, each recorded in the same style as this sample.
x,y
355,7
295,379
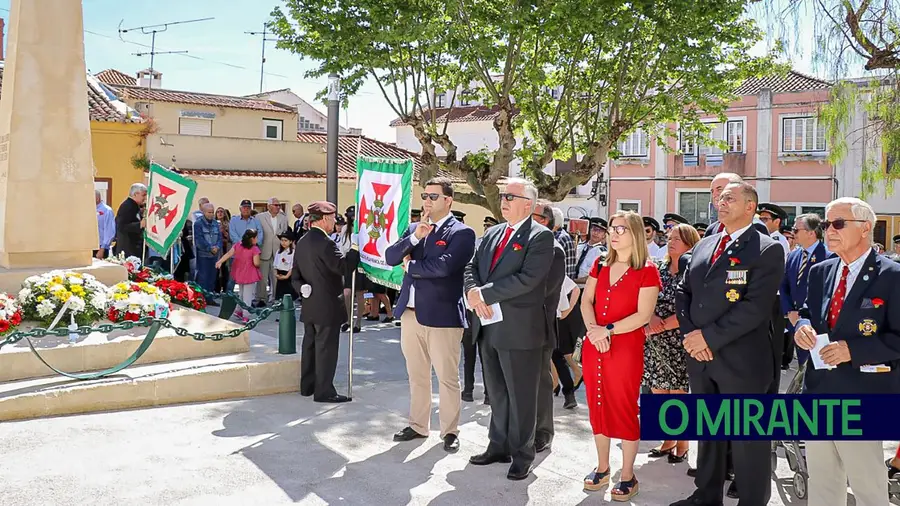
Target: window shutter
x,y
193,126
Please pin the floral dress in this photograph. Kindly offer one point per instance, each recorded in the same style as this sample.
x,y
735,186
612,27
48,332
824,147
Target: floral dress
x,y
665,359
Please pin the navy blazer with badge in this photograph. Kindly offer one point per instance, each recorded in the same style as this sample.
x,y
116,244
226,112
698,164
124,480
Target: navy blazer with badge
x,y
731,302
793,289
437,270
868,322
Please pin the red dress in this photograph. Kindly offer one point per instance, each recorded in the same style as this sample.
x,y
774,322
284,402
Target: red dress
x,y
613,379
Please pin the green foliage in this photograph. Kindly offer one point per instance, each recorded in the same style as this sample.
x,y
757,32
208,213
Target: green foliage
x,y
141,162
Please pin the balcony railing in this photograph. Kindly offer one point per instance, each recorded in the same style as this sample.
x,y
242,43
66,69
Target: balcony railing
x,y
710,165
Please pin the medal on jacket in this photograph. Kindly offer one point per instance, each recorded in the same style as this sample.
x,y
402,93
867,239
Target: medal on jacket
x,y
736,277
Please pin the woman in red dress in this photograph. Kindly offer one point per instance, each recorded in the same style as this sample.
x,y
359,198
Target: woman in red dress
x,y
618,302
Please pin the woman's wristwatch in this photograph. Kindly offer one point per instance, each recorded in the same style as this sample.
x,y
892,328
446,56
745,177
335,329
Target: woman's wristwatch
x,y
609,329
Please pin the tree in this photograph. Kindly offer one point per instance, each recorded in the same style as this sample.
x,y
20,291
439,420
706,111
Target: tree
x,y
571,78
852,36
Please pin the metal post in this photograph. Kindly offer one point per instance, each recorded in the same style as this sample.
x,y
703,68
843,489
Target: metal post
x,y
287,327
262,66
334,118
350,339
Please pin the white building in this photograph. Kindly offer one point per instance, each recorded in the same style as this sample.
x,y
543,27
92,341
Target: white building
x,y
309,119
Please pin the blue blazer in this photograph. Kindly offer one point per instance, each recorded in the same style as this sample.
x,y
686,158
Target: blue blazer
x,y
793,290
872,333
436,270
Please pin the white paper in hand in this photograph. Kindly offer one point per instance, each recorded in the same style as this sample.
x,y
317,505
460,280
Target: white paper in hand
x,y
497,317
305,291
821,342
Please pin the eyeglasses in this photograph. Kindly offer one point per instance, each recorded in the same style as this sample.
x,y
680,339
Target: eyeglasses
x,y
839,223
432,196
509,197
668,226
795,230
646,230
619,229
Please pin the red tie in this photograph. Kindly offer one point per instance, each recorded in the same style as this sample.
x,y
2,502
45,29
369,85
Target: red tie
x,y
837,302
721,248
499,250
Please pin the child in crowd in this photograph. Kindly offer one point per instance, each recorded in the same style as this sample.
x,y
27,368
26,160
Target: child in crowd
x,y
244,269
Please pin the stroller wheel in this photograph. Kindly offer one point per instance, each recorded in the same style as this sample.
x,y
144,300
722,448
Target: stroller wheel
x,y
800,486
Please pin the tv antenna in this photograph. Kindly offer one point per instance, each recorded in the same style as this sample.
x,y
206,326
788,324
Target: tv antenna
x,y
262,65
152,30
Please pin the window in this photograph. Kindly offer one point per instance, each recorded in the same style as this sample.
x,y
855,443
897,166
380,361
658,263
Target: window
x,y
635,145
465,98
194,126
272,129
440,100
716,133
794,211
263,207
104,185
820,210
694,206
731,133
802,135
629,205
735,136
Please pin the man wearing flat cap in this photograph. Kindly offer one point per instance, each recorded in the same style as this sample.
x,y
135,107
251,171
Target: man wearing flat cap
x,y
651,228
774,217
318,278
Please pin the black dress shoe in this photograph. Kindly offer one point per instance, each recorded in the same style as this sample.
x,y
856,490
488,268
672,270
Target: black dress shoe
x,y
451,443
695,501
486,458
732,491
518,471
692,472
345,327
674,458
468,397
541,445
334,399
408,434
570,402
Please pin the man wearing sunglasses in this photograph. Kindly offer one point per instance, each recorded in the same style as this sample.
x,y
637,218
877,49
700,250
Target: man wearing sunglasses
x,y
808,234
434,254
852,303
508,273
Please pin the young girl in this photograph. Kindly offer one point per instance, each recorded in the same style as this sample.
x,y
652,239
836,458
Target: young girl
x,y
284,262
244,269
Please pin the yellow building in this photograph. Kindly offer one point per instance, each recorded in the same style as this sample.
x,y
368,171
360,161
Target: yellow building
x,y
115,140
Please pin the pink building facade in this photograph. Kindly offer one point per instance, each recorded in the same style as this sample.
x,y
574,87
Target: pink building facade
x,y
773,140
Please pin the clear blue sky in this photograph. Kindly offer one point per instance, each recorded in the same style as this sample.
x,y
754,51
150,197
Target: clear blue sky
x,y
229,60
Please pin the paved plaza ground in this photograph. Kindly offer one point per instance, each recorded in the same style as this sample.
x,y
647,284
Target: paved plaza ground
x,y
286,449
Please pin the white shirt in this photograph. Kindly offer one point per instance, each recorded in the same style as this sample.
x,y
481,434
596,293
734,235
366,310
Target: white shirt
x,y
594,252
414,241
855,268
783,241
657,252
284,260
515,228
736,234
274,222
567,287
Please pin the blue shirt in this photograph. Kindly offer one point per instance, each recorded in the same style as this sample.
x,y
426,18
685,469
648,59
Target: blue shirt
x,y
207,236
106,225
238,226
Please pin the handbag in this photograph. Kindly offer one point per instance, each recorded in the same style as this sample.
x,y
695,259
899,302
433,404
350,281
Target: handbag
x,y
576,355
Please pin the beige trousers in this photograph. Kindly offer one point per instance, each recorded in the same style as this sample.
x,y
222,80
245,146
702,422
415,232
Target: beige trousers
x,y
832,463
423,348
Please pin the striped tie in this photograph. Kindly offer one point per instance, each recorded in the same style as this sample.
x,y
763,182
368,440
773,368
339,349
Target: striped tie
x,y
803,263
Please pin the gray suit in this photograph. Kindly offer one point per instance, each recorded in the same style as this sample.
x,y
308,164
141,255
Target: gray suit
x,y
267,249
512,349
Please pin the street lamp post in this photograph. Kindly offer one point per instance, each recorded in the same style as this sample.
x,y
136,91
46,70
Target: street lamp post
x,y
334,104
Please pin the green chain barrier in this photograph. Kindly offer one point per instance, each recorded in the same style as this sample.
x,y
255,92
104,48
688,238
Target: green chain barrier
x,y
259,314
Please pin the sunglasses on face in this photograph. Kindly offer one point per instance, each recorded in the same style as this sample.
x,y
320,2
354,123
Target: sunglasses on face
x,y
509,197
431,196
619,229
839,223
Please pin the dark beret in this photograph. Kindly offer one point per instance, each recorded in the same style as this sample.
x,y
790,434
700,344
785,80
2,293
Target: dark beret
x,y
774,210
652,223
321,207
677,218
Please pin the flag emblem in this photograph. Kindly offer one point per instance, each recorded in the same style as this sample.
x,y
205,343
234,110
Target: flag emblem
x,y
169,199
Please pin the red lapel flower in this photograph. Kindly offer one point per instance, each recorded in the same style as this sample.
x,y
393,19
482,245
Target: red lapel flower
x,y
441,243
517,246
734,261
877,302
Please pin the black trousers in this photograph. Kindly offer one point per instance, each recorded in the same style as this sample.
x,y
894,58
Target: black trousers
x,y
512,378
318,360
751,459
562,370
778,343
544,428
471,352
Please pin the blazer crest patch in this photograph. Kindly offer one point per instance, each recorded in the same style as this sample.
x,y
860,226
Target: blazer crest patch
x,y
732,295
868,327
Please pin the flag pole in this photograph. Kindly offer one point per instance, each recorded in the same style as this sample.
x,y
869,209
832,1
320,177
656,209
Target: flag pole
x,y
353,281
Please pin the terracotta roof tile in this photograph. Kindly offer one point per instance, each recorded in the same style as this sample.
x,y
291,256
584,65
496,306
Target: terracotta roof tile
x,y
113,76
347,145
787,83
460,114
100,106
249,173
190,97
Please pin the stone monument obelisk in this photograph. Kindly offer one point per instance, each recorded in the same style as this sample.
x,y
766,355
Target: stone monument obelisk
x,y
47,212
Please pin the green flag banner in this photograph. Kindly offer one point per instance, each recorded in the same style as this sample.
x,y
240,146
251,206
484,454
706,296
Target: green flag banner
x,y
169,200
383,190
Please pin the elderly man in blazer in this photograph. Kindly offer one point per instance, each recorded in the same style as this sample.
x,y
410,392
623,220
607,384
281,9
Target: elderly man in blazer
x,y
274,223
317,276
808,234
724,307
434,253
507,274
853,300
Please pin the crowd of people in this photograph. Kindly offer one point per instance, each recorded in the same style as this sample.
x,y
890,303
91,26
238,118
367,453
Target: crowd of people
x,y
631,305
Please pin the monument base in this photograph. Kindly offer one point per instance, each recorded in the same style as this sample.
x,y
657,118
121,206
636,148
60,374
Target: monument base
x,y
106,272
